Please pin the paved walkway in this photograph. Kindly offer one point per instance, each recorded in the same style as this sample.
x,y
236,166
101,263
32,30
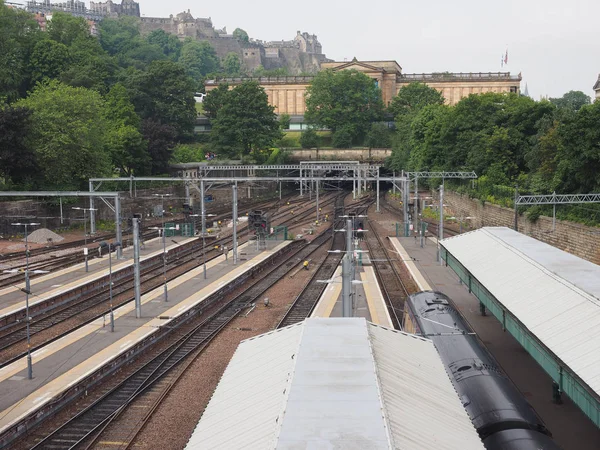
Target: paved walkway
x,y
569,426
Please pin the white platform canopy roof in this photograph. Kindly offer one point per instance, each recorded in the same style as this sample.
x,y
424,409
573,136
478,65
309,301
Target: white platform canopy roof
x,y
554,294
335,383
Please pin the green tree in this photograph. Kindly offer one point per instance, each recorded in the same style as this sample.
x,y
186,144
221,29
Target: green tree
x,y
379,136
346,99
573,100
165,94
116,35
214,100
48,60
161,140
310,139
19,33
579,151
65,28
284,121
169,43
412,98
241,35
232,64
17,159
129,150
198,59
187,153
245,122
91,67
68,134
343,136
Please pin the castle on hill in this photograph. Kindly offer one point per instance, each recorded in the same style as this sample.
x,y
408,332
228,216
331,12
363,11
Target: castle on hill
x,y
301,54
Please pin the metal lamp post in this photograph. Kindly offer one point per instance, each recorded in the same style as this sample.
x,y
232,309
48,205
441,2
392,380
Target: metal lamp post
x,y
164,233
204,216
85,251
27,292
110,297
162,207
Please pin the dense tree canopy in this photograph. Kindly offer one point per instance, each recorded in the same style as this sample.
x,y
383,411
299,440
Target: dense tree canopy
x,y
347,101
245,122
69,135
572,100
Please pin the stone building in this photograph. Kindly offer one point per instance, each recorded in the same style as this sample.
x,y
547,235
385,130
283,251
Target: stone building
x,y
97,10
287,94
597,88
301,54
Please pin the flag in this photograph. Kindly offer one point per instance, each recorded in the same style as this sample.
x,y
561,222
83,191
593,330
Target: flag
x,y
506,57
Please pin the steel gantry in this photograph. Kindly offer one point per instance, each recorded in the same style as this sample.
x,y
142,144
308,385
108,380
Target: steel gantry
x,y
414,177
553,199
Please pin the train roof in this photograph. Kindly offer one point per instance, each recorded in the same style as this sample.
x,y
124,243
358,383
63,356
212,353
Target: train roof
x,y
335,383
553,294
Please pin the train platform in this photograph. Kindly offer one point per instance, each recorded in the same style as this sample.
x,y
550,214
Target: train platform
x,y
65,362
369,302
569,426
52,284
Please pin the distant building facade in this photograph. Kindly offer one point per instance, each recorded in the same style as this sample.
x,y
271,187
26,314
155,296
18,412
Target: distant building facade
x,y
97,10
287,94
597,88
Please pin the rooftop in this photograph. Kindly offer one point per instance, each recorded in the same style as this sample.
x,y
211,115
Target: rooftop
x,y
553,294
335,383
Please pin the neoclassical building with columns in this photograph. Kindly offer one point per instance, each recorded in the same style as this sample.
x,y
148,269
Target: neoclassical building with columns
x,y
287,94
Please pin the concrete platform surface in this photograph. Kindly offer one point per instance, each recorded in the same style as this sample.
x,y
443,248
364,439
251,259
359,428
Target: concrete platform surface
x,y
66,361
54,283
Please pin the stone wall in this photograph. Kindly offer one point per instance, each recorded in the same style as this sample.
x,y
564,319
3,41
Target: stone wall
x,y
580,240
354,154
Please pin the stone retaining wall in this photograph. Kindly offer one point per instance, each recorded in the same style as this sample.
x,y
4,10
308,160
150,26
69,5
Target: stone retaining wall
x,y
580,240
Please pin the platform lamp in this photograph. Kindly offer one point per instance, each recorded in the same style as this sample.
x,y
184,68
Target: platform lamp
x,y
110,247
162,207
204,216
85,251
27,291
164,234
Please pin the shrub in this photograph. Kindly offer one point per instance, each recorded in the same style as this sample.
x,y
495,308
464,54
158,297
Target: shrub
x,y
342,138
309,139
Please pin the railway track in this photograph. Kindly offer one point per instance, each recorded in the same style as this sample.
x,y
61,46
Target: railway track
x,y
91,305
389,279
308,298
63,261
151,382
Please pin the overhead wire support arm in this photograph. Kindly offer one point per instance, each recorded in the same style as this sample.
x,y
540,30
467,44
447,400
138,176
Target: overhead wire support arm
x,y
414,175
553,199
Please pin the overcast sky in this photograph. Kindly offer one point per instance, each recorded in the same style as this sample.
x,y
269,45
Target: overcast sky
x,y
555,44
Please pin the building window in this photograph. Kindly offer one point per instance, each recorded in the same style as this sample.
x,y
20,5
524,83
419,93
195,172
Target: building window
x,y
514,89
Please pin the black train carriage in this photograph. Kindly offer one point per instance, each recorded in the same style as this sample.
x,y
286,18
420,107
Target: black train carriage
x,y
499,412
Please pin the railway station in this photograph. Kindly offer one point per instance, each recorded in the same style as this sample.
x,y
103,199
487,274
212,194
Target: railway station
x,y
319,267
